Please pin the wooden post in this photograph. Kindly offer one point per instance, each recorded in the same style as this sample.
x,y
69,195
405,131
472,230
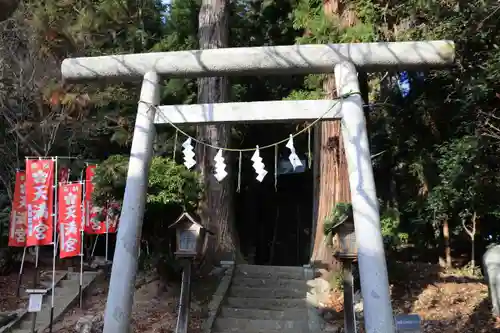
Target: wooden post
x,y
349,315
185,299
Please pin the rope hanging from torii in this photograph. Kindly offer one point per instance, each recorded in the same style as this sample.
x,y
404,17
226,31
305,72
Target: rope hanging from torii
x,y
258,164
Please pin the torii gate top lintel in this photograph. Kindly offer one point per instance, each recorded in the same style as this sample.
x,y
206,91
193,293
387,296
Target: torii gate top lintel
x,y
266,60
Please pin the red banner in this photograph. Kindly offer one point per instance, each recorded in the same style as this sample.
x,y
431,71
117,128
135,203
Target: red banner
x,y
112,216
63,176
94,215
40,201
17,227
70,219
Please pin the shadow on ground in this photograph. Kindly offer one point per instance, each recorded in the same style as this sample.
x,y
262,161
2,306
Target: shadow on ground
x,y
447,302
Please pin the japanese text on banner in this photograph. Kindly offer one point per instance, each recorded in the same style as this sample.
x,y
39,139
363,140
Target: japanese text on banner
x,y
17,227
70,219
39,201
94,215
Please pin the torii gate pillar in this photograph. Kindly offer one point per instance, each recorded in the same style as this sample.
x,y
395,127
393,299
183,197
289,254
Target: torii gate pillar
x,y
295,59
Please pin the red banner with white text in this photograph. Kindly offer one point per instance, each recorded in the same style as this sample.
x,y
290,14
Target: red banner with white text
x,y
40,201
18,218
94,215
70,219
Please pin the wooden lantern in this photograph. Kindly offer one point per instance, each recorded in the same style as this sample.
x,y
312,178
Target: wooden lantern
x,y
190,237
345,239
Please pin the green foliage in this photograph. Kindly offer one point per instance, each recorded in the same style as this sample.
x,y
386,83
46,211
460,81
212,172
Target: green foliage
x,y
172,184
468,183
171,189
336,280
169,184
340,212
4,225
390,223
436,163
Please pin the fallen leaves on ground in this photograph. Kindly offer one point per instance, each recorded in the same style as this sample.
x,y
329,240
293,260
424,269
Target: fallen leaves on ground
x,y
9,301
446,302
154,310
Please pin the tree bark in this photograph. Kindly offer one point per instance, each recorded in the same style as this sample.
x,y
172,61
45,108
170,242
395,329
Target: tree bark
x,y
447,247
332,178
216,207
472,234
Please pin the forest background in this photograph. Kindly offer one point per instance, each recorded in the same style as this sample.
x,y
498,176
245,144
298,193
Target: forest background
x,y
436,145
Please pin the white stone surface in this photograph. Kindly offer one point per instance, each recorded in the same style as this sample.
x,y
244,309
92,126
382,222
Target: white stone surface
x,y
371,256
287,60
250,112
124,270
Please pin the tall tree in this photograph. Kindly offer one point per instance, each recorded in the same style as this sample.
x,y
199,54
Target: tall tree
x,y
216,207
331,178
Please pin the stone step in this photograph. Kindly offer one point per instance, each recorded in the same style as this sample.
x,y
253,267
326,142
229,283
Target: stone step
x,y
258,325
265,303
271,272
269,283
65,293
240,331
288,314
69,284
46,278
243,292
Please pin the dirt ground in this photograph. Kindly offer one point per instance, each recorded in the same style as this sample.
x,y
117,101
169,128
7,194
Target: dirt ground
x,y
154,309
447,302
8,299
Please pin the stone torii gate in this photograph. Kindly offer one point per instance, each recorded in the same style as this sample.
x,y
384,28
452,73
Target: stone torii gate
x,y
342,59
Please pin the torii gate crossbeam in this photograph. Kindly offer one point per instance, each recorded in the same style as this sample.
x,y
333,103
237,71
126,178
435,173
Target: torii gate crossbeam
x,y
342,59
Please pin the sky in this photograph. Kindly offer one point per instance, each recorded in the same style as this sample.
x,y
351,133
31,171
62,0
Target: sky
x,y
165,2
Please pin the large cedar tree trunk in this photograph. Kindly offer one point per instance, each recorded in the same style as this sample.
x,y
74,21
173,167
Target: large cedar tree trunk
x,y
216,207
331,178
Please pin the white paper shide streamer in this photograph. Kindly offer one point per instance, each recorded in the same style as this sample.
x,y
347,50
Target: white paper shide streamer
x,y
188,152
220,166
258,166
294,159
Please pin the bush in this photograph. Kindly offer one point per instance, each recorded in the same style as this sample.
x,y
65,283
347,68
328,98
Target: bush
x,y
172,189
169,184
389,221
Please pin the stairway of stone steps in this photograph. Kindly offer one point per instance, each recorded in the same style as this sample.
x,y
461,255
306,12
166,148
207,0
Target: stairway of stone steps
x,y
265,299
66,294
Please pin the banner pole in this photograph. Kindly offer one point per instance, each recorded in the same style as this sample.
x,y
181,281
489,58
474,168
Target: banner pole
x,y
54,227
107,231
80,295
95,244
20,276
35,277
35,283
